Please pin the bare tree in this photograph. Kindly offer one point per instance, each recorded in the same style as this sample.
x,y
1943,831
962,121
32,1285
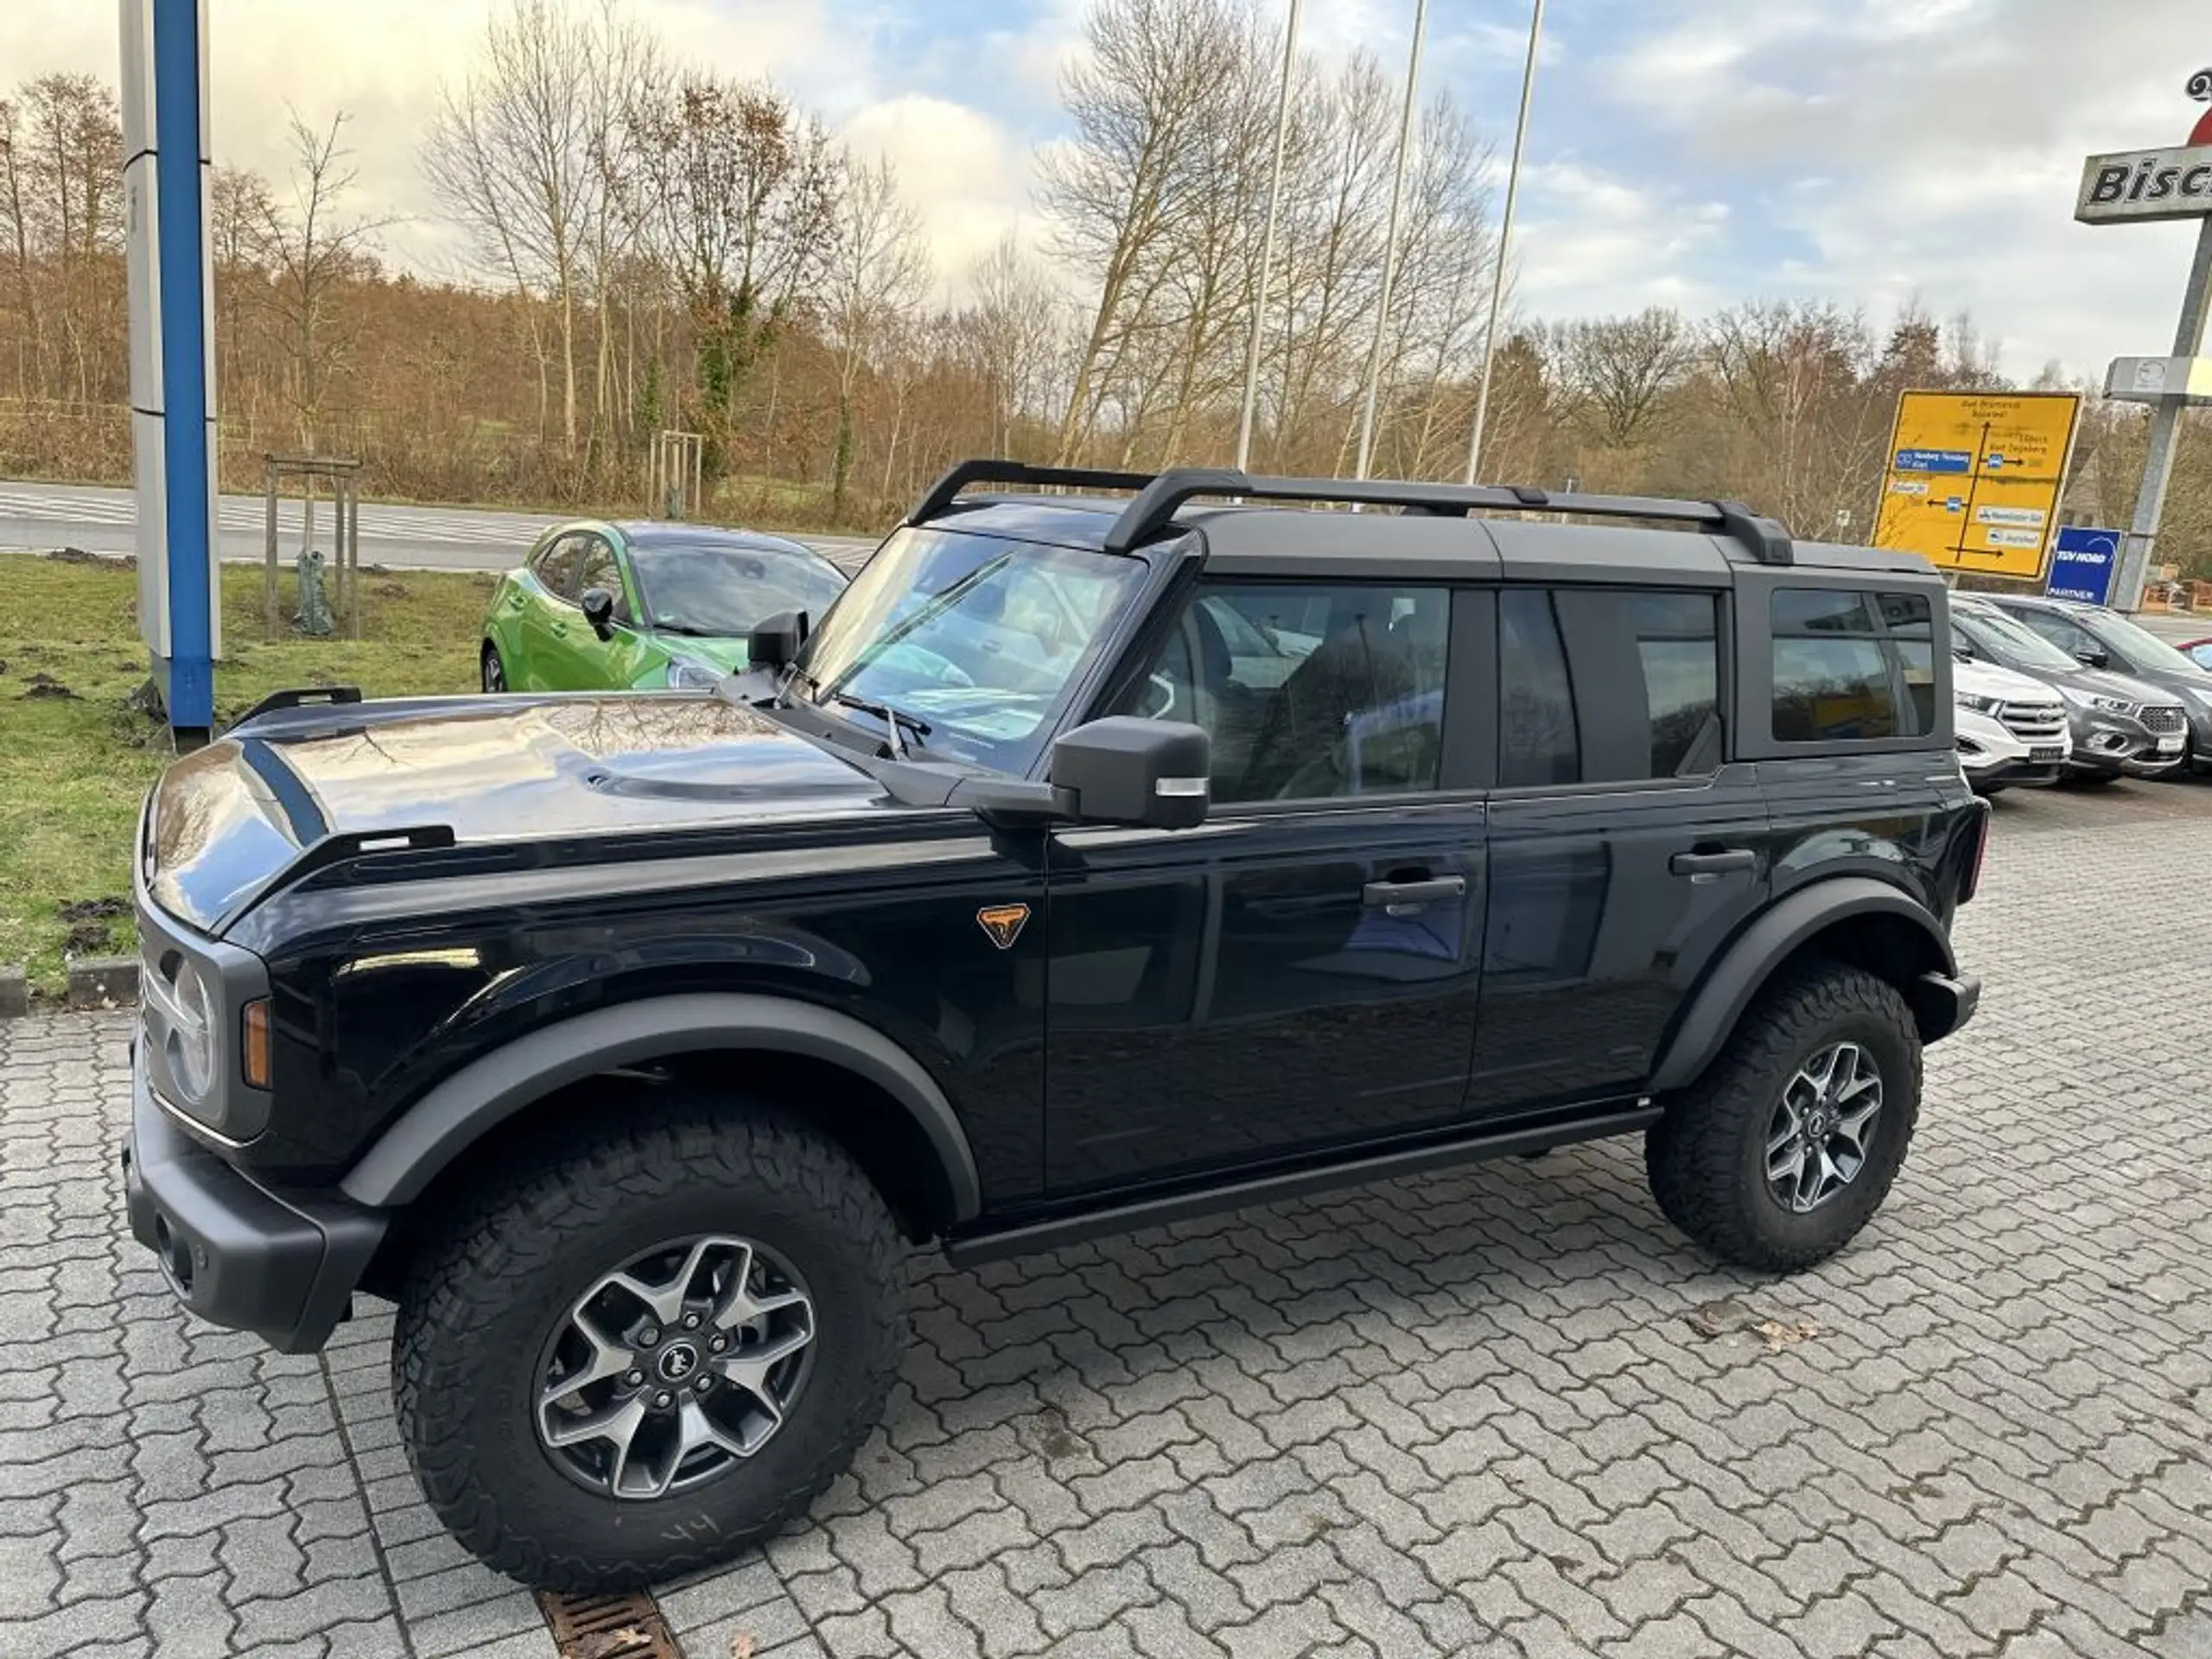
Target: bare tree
x,y
878,273
313,250
1619,369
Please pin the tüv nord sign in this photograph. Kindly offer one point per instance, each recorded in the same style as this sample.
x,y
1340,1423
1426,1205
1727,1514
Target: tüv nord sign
x,y
2137,185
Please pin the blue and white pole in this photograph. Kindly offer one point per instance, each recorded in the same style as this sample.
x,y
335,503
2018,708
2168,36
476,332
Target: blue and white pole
x,y
172,329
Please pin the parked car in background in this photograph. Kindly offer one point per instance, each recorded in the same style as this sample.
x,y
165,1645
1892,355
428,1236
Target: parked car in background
x,y
2105,638
2011,729
2198,651
2121,728
600,607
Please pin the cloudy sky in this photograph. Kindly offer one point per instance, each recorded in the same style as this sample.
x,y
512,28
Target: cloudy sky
x,y
1690,152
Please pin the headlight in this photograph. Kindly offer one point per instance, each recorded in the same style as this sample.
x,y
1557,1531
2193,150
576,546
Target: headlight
x,y
191,1036
2081,699
1979,705
686,675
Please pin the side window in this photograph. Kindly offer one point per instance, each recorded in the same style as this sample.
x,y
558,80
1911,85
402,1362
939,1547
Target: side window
x,y
598,568
1911,628
1646,668
1308,692
2058,629
1850,666
556,566
1537,741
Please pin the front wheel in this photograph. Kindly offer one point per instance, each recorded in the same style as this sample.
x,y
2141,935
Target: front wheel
x,y
494,669
651,1350
1786,1146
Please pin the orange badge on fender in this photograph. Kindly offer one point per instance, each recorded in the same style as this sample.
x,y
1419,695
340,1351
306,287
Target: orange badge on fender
x,y
1003,923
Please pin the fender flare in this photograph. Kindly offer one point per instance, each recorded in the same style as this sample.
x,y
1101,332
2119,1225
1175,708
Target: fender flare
x,y
1746,965
457,1111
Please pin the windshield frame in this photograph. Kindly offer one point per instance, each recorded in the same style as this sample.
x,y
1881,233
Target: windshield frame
x,y
2009,630
2139,643
809,685
638,554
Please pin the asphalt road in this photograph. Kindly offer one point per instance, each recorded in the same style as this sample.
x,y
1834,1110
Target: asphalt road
x,y
105,520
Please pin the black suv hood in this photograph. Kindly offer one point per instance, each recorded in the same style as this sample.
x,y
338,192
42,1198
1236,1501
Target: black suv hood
x,y
229,818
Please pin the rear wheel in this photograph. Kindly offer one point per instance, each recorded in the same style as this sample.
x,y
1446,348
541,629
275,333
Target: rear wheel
x,y
494,670
1786,1146
651,1350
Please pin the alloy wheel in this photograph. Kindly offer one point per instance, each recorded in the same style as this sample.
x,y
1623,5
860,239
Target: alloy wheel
x,y
1816,1140
672,1370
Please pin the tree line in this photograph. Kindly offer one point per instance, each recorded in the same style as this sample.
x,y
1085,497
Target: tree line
x,y
650,245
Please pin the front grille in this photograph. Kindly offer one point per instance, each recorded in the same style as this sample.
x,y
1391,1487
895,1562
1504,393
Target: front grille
x,y
2034,722
2163,719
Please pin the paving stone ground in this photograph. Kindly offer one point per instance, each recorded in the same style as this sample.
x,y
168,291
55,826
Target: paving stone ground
x,y
1469,1415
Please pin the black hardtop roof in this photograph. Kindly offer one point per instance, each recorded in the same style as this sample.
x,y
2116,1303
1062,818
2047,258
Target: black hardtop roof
x,y
1436,530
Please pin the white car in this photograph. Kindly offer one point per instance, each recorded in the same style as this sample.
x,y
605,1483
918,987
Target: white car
x,y
2011,729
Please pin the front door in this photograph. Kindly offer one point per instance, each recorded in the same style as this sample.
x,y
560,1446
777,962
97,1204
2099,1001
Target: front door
x,y
1300,972
1626,850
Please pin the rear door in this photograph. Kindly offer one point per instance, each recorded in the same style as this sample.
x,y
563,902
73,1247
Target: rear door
x,y
1625,847
1301,971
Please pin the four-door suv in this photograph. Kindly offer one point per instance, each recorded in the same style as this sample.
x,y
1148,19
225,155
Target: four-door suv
x,y
1089,865
2099,638
2122,728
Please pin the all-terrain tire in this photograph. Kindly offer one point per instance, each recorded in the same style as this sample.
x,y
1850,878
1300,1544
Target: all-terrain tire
x,y
1707,1157
482,1301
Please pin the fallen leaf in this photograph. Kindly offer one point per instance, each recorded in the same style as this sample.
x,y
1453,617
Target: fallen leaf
x,y
741,1646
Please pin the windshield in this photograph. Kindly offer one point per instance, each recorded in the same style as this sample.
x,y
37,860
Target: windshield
x,y
724,589
2001,636
980,638
2144,647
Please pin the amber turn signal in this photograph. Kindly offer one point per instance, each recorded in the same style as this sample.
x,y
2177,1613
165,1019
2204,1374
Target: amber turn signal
x,y
254,1053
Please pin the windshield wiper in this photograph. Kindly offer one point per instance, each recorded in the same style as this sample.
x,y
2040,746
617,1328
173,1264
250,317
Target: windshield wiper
x,y
685,629
897,721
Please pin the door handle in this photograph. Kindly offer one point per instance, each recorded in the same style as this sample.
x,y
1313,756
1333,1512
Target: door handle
x,y
1720,863
1405,898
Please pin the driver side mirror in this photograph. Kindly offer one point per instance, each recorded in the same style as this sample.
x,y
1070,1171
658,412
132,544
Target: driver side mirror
x,y
599,610
1147,775
775,640
2094,657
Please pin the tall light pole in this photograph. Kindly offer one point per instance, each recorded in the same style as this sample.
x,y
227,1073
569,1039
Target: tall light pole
x,y
1504,238
1390,248
1267,246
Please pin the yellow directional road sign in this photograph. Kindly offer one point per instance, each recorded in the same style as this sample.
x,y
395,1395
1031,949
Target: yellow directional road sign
x,y
1974,478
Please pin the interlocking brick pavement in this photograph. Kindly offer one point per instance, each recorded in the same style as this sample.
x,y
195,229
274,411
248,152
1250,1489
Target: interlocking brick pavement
x,y
1468,1414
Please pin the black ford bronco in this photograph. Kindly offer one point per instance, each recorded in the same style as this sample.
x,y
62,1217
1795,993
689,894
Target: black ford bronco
x,y
1094,862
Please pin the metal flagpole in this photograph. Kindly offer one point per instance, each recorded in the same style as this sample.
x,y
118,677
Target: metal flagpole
x,y
2134,568
1267,246
1504,238
1390,250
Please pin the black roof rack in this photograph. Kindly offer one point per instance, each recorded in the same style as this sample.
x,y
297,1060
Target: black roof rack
x,y
1159,496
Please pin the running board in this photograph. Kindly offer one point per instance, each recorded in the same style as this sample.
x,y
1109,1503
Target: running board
x,y
1051,1235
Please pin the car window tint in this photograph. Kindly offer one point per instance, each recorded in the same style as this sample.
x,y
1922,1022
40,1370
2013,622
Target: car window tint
x,y
556,566
1678,643
599,569
1308,691
1911,624
1536,735
1833,675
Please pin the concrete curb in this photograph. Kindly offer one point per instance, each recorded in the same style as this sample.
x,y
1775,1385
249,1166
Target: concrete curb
x,y
102,981
15,992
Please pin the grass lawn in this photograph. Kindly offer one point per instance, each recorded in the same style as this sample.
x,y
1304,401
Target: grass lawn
x,y
76,757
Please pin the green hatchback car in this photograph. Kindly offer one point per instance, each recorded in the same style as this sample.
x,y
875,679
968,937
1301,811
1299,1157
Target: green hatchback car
x,y
644,606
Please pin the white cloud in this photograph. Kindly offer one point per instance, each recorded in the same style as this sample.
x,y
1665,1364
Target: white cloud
x,y
966,173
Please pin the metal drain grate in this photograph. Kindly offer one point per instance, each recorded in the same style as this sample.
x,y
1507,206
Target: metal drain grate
x,y
607,1627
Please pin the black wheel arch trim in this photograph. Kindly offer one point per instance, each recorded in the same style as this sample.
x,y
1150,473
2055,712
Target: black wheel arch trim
x,y
456,1112
1748,964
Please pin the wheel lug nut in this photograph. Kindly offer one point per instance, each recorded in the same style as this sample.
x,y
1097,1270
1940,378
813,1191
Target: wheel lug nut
x,y
690,1321
634,1378
706,1381
715,1344
649,1334
663,1400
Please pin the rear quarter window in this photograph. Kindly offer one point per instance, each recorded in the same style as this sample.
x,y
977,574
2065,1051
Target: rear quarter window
x,y
1851,666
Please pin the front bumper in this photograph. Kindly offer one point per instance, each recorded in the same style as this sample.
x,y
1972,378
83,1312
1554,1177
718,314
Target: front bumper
x,y
282,1265
2102,743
